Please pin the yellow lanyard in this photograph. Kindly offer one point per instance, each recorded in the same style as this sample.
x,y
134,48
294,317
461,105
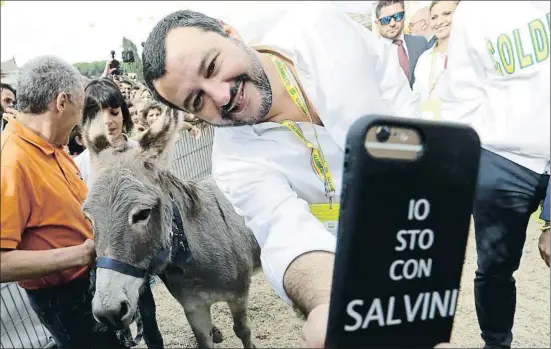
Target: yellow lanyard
x,y
433,82
319,164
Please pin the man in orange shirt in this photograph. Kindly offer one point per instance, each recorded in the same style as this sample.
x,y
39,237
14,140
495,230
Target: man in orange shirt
x,y
46,242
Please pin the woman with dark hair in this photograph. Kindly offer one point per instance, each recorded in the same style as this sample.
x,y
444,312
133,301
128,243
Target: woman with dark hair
x,y
104,99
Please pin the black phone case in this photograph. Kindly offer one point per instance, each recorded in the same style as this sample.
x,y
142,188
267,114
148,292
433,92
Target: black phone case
x,y
375,204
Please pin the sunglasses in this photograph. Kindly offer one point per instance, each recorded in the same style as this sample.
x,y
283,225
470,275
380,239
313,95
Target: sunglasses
x,y
398,17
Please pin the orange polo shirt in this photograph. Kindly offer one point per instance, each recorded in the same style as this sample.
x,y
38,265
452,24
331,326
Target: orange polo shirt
x,y
42,194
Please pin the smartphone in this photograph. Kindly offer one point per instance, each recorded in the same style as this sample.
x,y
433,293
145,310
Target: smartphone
x,y
406,204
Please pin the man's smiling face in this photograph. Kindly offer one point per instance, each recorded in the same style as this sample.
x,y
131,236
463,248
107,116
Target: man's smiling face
x,y
219,79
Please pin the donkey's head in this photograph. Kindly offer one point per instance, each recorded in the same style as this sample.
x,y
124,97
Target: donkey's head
x,y
130,208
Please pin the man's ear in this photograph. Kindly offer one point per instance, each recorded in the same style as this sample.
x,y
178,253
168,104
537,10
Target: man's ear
x,y
232,33
61,102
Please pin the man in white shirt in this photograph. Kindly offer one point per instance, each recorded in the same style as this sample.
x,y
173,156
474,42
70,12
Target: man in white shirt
x,y
266,172
498,82
390,18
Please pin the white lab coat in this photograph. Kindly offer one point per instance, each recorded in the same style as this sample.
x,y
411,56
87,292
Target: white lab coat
x,y
422,85
265,171
505,99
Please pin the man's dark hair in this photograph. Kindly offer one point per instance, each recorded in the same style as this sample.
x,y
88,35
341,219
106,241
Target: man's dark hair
x,y
8,87
385,3
154,50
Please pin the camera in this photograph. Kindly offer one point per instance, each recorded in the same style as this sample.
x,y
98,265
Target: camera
x,y
115,65
383,134
127,56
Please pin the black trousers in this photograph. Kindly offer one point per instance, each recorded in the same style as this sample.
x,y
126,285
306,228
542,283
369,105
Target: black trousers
x,y
507,194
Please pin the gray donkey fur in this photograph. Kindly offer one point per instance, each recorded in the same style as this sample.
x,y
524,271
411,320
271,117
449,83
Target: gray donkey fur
x,y
130,207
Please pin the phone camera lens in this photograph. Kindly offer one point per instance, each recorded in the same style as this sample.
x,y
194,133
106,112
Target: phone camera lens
x,y
383,134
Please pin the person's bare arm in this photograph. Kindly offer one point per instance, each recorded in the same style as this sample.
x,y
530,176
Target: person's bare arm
x,y
308,278
16,265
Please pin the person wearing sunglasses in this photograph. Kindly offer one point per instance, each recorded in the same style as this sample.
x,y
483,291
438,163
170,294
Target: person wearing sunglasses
x,y
390,15
309,76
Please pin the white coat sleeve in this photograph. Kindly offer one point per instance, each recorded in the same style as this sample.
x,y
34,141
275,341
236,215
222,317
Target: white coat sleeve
x,y
393,83
463,87
281,222
347,67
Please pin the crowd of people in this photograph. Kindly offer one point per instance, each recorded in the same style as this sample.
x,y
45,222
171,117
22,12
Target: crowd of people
x,y
133,99
489,72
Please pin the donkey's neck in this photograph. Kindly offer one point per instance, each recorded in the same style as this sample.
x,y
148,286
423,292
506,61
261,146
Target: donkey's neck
x,y
186,195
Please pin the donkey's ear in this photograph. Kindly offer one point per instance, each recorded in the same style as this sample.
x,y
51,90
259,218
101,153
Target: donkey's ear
x,y
94,130
95,134
158,140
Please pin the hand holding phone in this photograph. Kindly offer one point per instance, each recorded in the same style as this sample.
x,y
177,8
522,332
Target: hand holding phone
x,y
406,203
315,327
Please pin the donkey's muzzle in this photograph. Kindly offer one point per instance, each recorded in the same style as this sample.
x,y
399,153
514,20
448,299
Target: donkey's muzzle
x,y
114,316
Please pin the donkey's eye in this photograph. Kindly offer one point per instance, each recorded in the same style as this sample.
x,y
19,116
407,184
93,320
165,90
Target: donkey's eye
x,y
141,216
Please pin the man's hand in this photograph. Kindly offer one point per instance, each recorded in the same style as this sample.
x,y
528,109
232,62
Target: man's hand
x,y
140,128
88,248
195,132
543,245
315,328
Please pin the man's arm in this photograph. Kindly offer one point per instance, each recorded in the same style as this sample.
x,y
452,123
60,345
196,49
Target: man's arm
x,y
308,279
297,250
18,265
463,84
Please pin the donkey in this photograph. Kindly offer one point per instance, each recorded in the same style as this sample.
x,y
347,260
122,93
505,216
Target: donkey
x,y
147,222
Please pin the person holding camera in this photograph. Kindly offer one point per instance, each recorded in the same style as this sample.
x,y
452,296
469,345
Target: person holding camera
x,y
112,67
314,73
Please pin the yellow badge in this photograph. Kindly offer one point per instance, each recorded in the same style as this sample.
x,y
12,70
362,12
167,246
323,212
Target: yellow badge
x,y
430,109
327,214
